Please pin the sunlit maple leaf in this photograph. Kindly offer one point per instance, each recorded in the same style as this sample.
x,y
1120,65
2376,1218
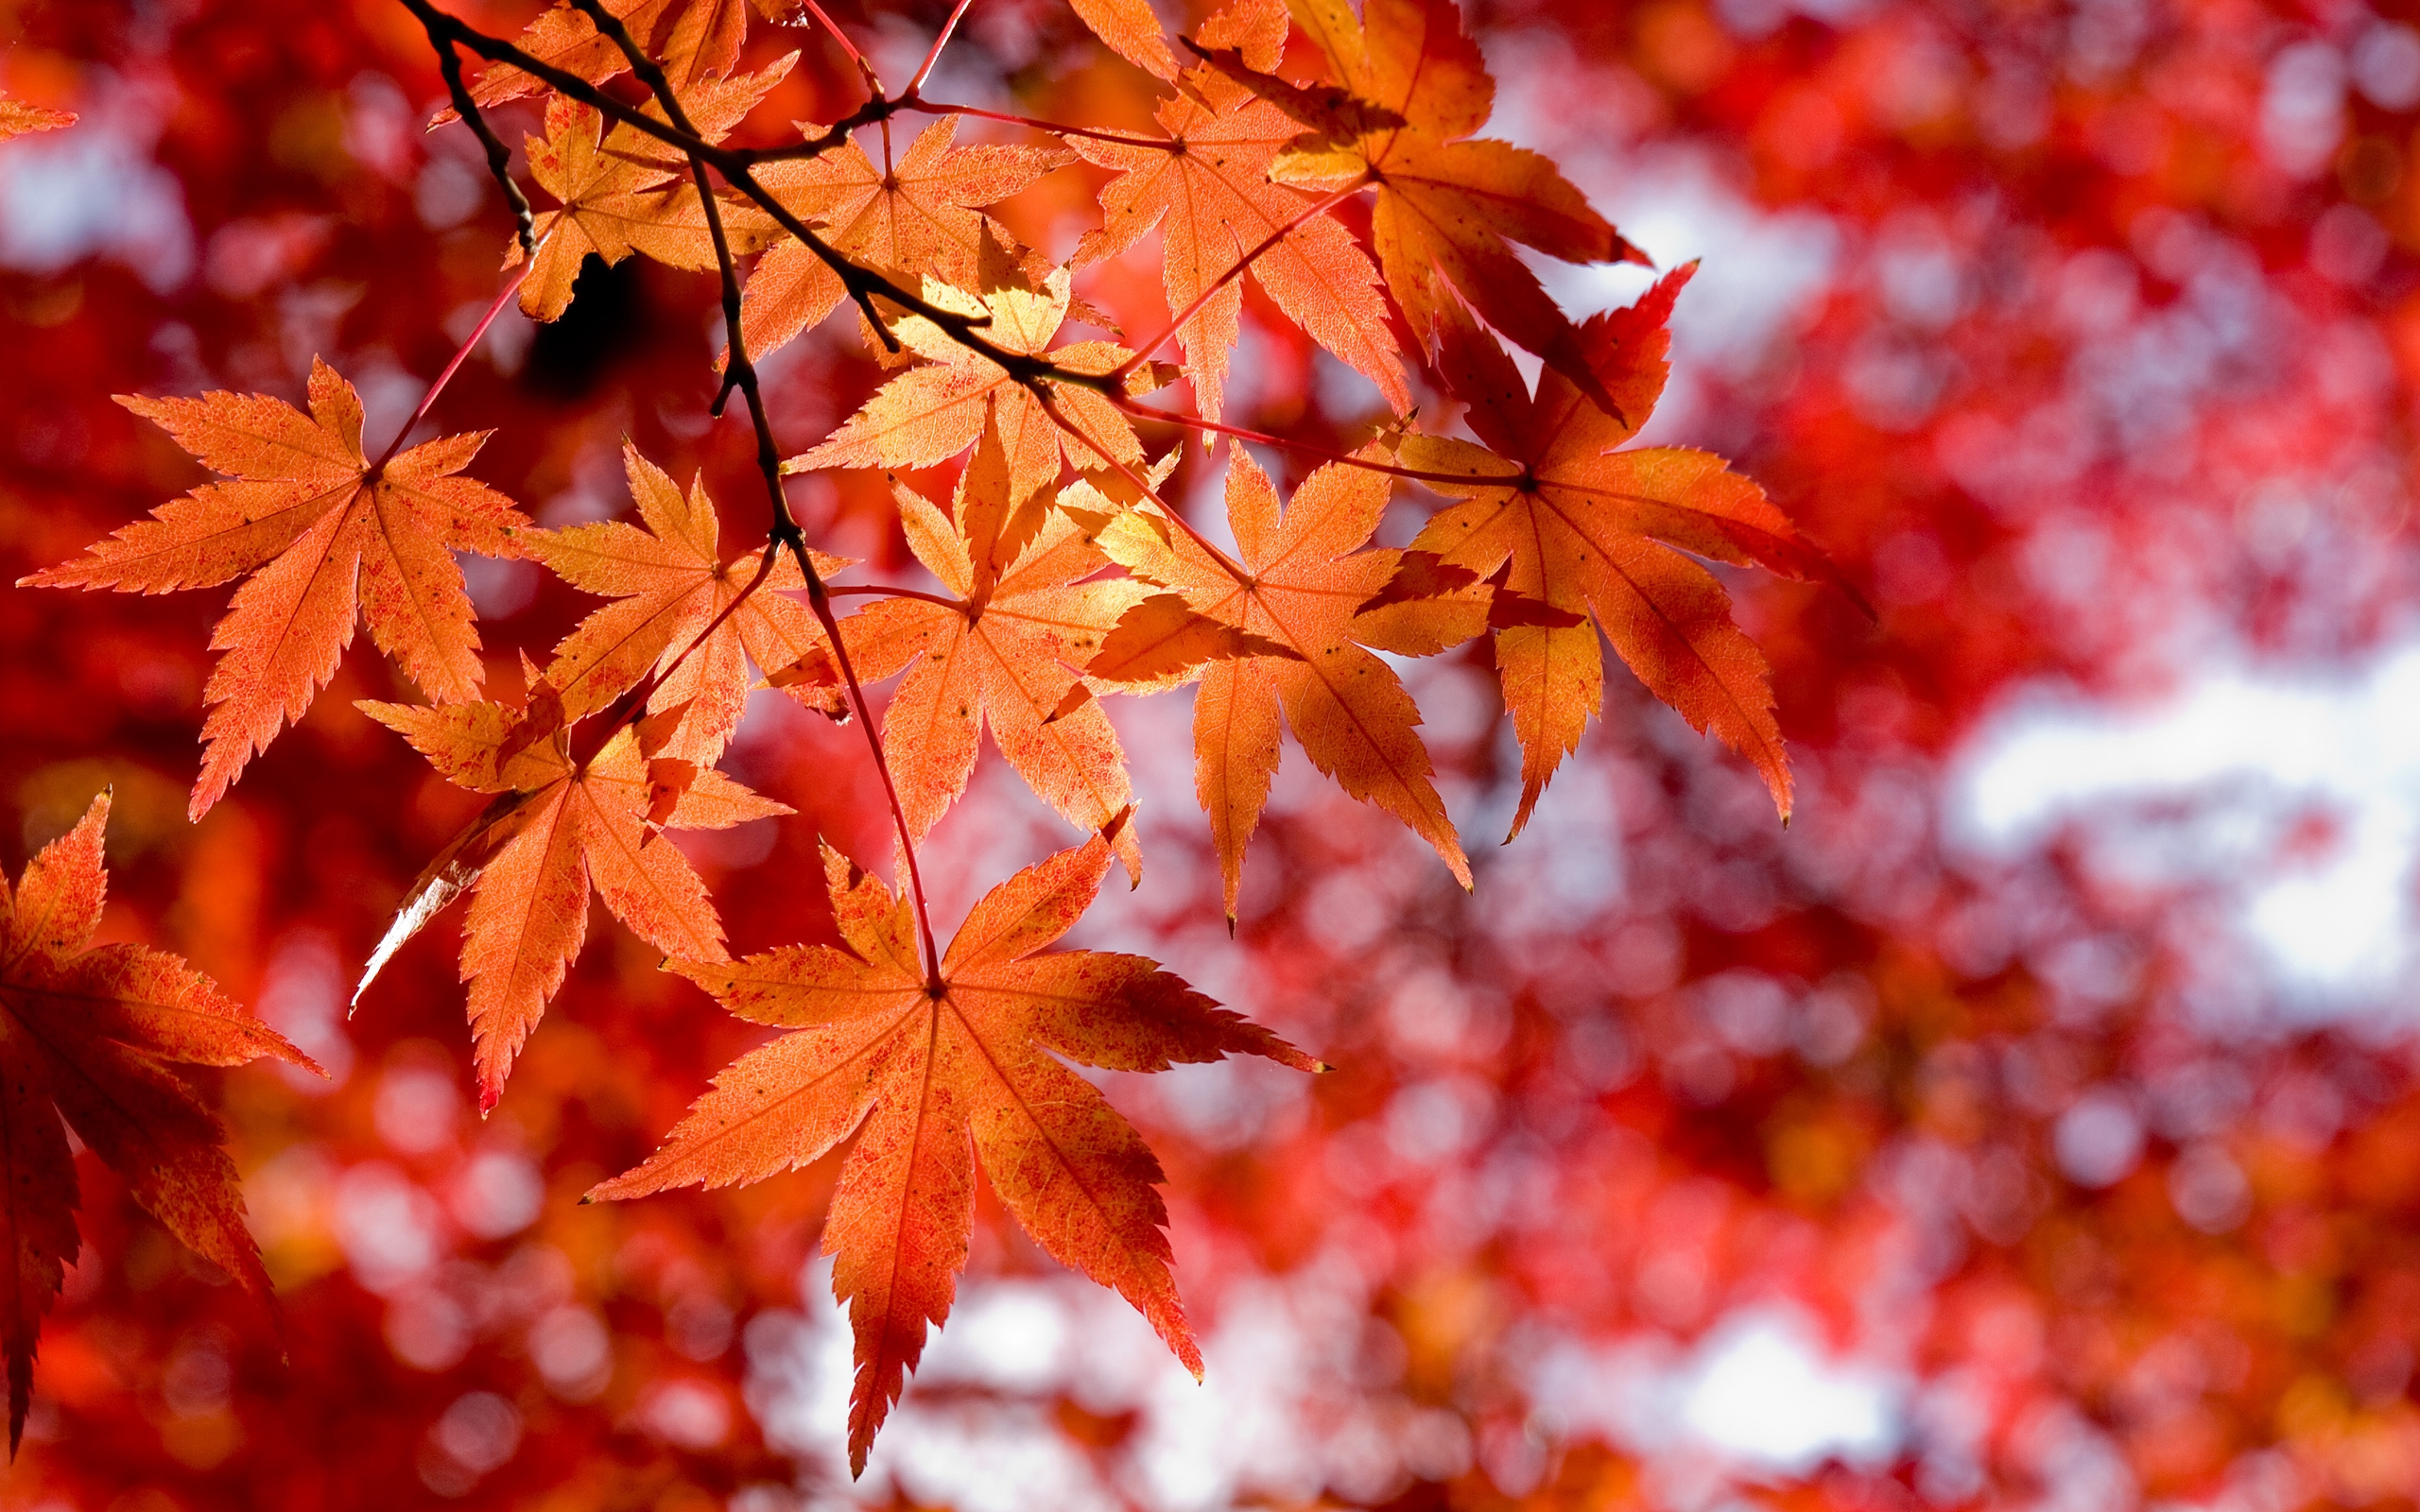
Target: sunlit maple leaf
x,y
326,537
1133,31
939,1072
17,118
923,215
1005,656
1579,523
1291,604
90,1033
930,414
702,41
1448,208
562,823
1206,187
622,190
672,585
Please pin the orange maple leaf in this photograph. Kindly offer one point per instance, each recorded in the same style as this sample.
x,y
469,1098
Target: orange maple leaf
x,y
622,190
326,535
1002,656
940,1071
1206,186
91,1031
17,118
1448,208
1282,629
922,215
672,585
562,823
1579,523
1133,31
704,41
930,414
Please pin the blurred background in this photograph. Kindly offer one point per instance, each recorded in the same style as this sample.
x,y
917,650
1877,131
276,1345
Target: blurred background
x,y
2032,1124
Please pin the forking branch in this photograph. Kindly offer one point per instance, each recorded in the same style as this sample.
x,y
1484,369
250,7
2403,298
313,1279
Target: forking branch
x,y
740,373
1035,374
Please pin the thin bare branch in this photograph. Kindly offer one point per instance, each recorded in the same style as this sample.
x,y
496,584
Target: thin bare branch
x,y
740,373
1034,374
449,62
864,284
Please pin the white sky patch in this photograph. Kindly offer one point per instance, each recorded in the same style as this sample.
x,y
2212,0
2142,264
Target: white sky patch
x,y
2200,789
1759,1394
94,190
1012,1337
1760,274
1763,273
1281,1413
1763,1391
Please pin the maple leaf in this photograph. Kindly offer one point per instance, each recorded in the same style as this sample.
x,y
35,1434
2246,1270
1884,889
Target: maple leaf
x,y
1448,208
922,215
325,535
1295,602
672,585
17,118
1206,186
91,1030
940,1071
704,41
622,191
930,414
1578,524
1002,656
1132,30
561,825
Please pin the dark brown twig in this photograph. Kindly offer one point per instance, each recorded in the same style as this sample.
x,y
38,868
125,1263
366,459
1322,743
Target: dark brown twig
x,y
864,284
740,373
449,62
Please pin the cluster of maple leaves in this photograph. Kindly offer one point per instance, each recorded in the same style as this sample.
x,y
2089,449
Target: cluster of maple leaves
x,y
1065,579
